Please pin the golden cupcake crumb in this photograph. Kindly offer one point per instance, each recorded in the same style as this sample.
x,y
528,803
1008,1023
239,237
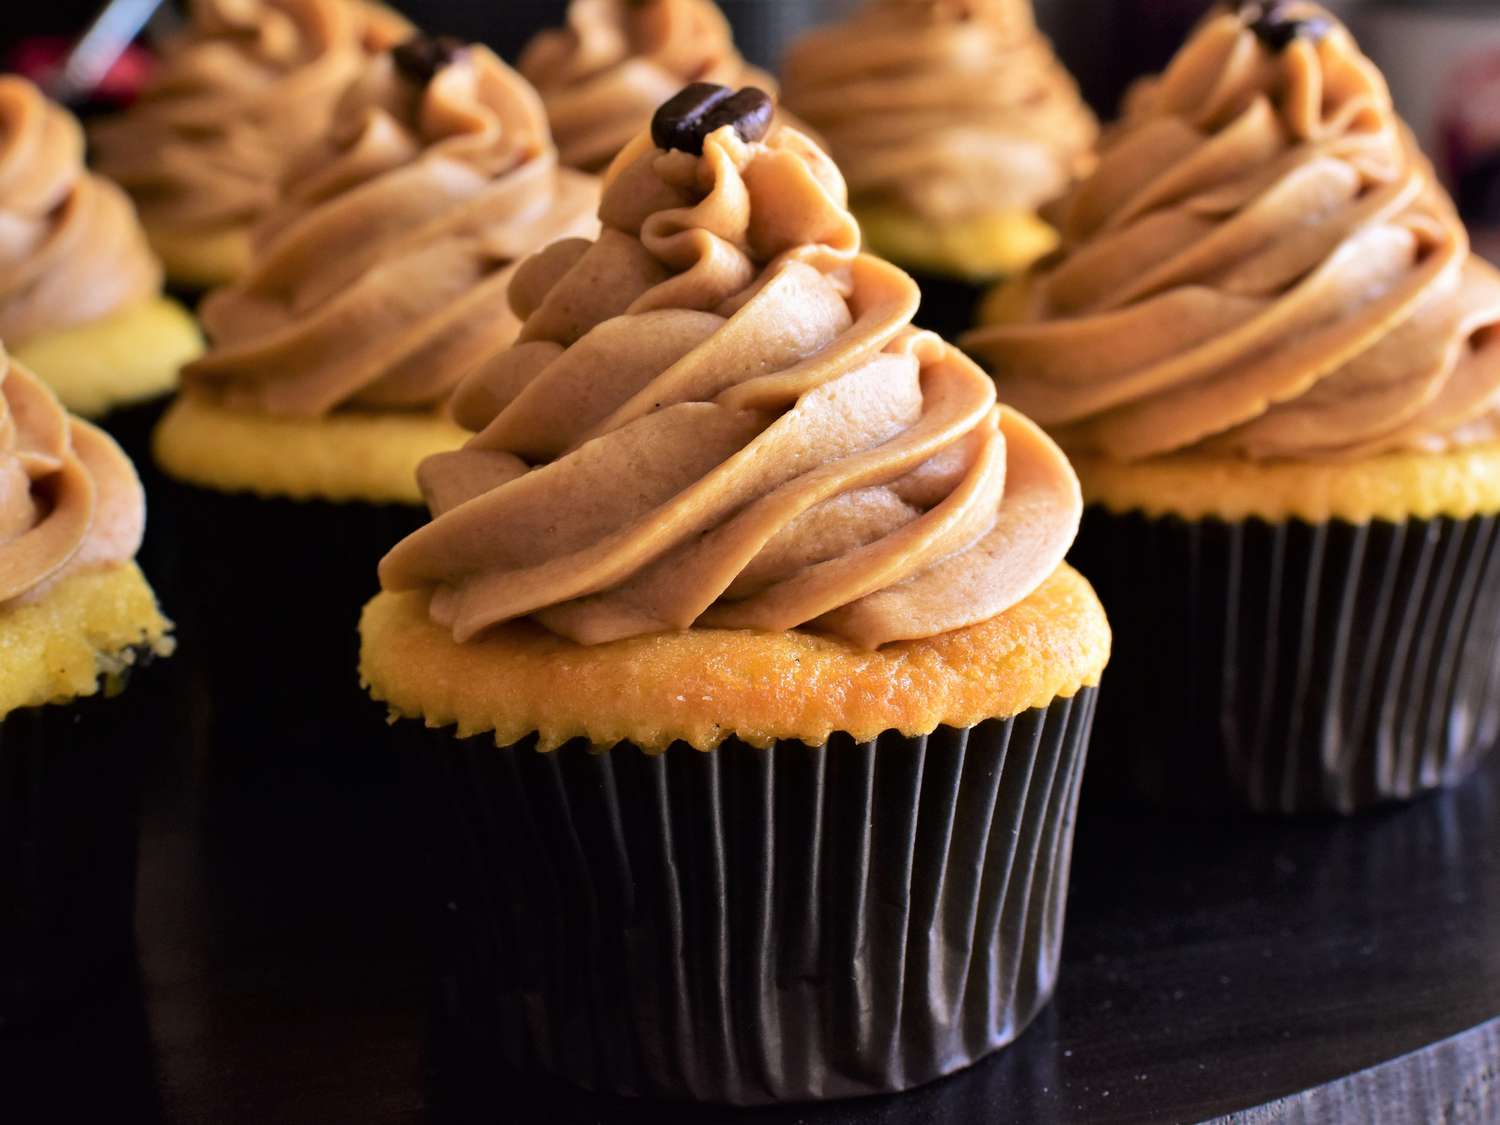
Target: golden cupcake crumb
x,y
356,456
127,357
83,630
701,686
977,249
202,260
1395,487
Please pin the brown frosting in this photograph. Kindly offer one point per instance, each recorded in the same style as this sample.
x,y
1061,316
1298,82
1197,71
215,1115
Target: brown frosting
x,y
69,499
1262,266
718,414
71,249
948,108
381,277
604,73
249,83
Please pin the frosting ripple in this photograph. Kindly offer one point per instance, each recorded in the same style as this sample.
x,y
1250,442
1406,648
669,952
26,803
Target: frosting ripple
x,y
948,108
1263,266
69,499
718,414
71,249
246,85
381,277
614,61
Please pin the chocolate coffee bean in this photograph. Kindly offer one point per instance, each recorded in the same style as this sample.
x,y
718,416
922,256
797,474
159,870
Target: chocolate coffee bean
x,y
684,120
1278,29
422,56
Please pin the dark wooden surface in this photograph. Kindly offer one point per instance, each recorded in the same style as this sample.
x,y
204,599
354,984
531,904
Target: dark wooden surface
x,y
1210,968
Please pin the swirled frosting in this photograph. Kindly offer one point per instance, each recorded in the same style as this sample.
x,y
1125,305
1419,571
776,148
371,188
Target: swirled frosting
x,y
718,414
71,249
381,277
947,108
69,499
243,88
1261,266
606,70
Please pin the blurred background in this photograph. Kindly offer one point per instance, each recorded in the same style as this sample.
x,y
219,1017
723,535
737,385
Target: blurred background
x,y
1441,56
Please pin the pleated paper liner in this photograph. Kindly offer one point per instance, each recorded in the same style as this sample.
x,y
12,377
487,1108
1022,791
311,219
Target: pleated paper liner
x,y
1294,667
747,925
70,779
266,594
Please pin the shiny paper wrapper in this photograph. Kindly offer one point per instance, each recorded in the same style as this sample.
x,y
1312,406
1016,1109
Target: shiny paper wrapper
x,y
746,925
1293,667
266,594
70,781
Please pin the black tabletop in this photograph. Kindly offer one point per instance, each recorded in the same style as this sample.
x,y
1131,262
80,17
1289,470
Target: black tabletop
x,y
1210,967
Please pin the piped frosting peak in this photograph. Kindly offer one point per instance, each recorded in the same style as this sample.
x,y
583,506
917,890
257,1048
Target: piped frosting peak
x,y
1262,265
717,414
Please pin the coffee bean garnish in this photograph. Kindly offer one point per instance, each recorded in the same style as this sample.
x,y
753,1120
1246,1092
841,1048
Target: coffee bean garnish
x,y
685,120
422,56
1278,29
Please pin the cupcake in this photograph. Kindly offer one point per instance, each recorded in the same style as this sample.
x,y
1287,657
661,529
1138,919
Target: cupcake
x,y
76,619
954,124
739,659
380,279
245,86
80,292
1276,364
604,73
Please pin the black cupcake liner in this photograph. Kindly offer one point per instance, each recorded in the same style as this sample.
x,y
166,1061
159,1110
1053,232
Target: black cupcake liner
x,y
949,306
266,595
131,426
1293,667
747,925
70,780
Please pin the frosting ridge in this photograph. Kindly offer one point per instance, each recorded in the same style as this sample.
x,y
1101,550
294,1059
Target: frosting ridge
x,y
71,250
247,84
1262,266
381,276
69,499
717,414
947,108
614,61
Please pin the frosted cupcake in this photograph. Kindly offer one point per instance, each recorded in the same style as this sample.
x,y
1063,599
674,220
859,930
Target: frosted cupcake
x,y
76,619
955,124
379,280
753,595
80,291
243,88
604,73
1276,363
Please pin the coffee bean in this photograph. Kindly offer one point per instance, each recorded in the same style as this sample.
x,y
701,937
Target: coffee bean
x,y
685,120
421,57
1278,29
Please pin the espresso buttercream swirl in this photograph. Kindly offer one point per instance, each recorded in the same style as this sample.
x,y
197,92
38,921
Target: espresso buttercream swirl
x,y
71,248
946,108
69,499
719,415
1262,266
245,86
381,277
613,62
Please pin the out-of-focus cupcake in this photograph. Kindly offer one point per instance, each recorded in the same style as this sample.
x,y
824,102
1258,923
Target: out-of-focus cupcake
x,y
955,125
76,618
80,291
242,89
753,595
604,72
1277,366
379,281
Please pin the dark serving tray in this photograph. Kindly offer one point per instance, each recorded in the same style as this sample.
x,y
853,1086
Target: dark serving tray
x,y
1325,971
